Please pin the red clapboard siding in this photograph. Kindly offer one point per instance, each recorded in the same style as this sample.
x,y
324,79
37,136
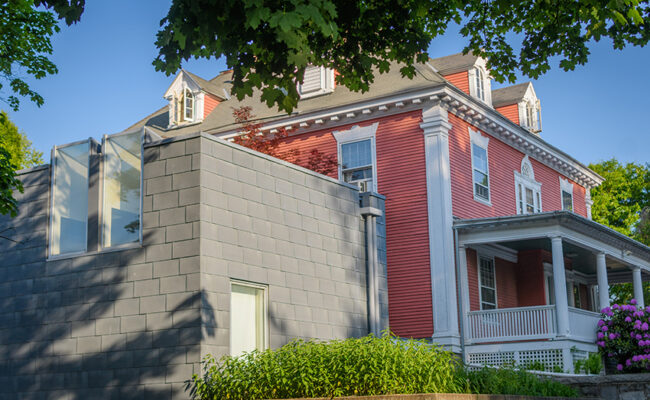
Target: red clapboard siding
x,y
511,112
323,141
209,103
401,177
460,80
503,161
530,278
506,276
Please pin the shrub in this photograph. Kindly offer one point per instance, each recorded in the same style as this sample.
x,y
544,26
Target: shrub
x,y
623,336
514,382
366,366
592,365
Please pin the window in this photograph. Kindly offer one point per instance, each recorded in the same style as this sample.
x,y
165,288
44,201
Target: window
x,y
531,115
121,189
567,194
316,81
188,109
479,84
487,283
480,171
356,163
357,156
527,190
247,318
69,214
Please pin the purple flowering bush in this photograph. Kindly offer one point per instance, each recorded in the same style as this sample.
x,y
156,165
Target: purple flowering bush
x,y
623,335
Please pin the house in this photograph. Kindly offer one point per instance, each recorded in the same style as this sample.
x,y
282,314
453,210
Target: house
x,y
450,218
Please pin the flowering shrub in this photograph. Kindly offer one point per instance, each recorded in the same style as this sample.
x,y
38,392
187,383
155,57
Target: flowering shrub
x,y
623,335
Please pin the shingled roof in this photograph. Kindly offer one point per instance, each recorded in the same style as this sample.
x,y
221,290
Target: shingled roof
x,y
509,95
221,118
453,63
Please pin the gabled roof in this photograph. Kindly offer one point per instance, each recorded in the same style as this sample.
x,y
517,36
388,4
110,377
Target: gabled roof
x,y
222,120
454,63
510,95
207,86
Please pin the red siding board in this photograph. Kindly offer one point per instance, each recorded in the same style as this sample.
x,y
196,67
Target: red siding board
x,y
209,103
511,112
460,80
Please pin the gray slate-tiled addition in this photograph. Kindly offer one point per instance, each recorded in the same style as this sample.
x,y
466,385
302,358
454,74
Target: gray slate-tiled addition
x,y
135,323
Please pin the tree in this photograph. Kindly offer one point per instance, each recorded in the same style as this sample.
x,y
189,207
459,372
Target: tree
x,y
622,202
269,43
251,136
15,152
25,33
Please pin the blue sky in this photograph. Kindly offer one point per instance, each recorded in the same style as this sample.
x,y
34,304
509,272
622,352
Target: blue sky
x,y
106,82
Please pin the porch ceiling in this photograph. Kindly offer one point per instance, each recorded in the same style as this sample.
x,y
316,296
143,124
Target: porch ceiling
x,y
582,239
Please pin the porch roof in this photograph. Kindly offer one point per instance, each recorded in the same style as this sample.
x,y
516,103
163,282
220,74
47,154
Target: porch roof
x,y
573,228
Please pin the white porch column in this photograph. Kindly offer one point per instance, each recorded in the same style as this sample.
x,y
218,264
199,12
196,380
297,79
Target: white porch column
x,y
441,243
603,286
559,283
464,286
638,286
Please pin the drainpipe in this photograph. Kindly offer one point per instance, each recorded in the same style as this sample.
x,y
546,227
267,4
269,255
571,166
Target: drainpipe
x,y
370,210
459,294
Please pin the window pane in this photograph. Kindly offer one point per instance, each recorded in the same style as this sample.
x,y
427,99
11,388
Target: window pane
x,y
70,199
488,295
358,175
247,319
356,154
530,206
121,210
480,158
567,201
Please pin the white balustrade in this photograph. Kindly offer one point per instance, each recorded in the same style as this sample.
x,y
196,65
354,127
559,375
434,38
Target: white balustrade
x,y
508,324
583,324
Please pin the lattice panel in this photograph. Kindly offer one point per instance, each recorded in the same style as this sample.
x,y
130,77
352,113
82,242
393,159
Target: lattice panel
x,y
493,359
548,358
579,354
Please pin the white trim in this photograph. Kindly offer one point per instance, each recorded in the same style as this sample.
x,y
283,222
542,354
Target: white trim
x,y
265,314
357,134
482,142
566,186
480,66
527,182
498,251
326,83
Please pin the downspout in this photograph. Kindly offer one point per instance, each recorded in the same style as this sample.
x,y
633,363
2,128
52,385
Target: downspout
x,y
459,294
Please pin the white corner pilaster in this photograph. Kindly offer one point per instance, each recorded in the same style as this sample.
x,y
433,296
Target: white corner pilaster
x,y
588,202
436,126
638,286
603,286
559,283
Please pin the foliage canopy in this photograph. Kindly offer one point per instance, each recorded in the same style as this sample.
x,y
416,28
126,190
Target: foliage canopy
x,y
26,27
268,43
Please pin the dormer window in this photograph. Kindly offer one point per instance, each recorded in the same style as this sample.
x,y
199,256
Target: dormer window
x,y
316,81
532,116
188,109
480,86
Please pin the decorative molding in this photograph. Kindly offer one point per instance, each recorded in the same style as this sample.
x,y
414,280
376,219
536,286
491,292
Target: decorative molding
x,y
356,133
476,137
496,250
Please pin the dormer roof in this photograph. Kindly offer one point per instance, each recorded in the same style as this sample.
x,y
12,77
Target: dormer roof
x,y
511,94
454,63
196,83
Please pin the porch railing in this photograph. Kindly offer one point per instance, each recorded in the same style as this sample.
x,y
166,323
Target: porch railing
x,y
507,324
582,324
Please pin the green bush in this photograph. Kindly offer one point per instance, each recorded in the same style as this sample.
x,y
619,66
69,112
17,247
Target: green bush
x,y
365,366
511,381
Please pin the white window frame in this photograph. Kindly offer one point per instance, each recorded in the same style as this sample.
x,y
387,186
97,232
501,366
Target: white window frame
x,y
187,91
92,147
357,134
479,256
326,83
566,186
265,312
527,181
479,73
481,141
102,177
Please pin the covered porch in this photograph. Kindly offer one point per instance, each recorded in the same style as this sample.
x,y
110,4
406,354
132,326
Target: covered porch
x,y
531,286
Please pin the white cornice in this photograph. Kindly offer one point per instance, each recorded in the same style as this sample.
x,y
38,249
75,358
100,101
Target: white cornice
x,y
456,102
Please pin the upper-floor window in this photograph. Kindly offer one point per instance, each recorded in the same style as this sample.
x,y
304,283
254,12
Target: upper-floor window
x,y
487,283
248,321
480,85
566,189
357,159
531,115
188,106
69,213
316,81
85,218
121,183
527,190
480,168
